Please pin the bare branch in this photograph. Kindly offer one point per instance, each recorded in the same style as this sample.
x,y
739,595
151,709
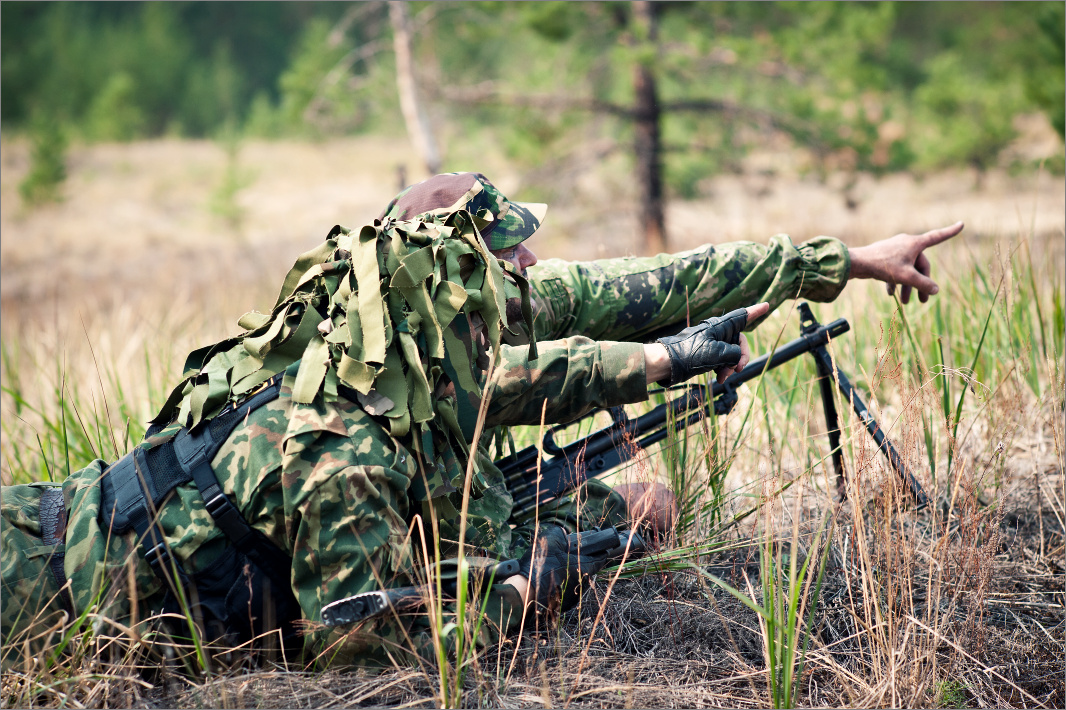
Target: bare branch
x,y
355,12
414,116
487,92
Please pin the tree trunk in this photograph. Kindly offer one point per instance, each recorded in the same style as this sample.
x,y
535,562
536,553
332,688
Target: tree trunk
x,y
648,142
414,116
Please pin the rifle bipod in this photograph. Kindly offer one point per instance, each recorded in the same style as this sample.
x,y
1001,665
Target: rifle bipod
x,y
564,468
828,373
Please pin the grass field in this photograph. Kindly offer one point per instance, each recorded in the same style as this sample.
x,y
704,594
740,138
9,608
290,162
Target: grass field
x,y
160,246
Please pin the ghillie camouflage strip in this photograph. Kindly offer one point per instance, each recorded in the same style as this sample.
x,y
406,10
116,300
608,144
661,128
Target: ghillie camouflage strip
x,y
392,312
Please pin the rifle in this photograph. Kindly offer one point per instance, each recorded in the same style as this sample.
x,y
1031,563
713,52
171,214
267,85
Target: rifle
x,y
567,467
609,543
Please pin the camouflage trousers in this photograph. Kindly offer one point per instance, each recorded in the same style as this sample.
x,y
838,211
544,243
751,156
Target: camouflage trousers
x,y
32,608
34,614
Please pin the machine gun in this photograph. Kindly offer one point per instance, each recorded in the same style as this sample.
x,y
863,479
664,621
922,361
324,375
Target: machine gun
x,y
565,468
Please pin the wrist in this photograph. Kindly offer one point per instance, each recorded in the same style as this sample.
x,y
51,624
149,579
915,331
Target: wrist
x,y
656,363
521,585
859,266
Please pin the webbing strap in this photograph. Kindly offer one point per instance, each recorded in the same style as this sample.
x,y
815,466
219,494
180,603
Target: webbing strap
x,y
136,485
128,501
195,449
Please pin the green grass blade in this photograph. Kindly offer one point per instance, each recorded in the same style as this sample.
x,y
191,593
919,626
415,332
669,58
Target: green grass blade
x,y
973,366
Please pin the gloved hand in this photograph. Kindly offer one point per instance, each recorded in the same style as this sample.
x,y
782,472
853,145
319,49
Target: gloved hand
x,y
709,345
555,570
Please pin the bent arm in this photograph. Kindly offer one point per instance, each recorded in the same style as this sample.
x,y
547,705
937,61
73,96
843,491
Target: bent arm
x,y
570,378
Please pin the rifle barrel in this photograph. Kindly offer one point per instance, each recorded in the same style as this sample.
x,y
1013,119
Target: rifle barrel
x,y
608,447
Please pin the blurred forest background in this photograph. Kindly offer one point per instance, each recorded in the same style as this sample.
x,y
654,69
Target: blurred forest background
x,y
682,91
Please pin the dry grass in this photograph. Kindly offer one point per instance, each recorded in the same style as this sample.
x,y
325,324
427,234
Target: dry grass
x,y
958,605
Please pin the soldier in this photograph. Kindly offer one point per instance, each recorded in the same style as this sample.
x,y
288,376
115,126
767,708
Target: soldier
x,y
638,299
311,457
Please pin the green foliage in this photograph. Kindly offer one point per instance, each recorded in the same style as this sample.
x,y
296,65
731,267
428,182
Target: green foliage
x,y
211,94
48,163
951,694
966,120
553,20
1046,82
311,92
114,114
264,120
194,66
875,87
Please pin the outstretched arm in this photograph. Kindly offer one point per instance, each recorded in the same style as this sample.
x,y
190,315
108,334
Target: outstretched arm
x,y
901,260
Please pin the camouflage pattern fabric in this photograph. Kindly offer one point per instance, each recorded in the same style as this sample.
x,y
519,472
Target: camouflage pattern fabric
x,y
639,299
32,616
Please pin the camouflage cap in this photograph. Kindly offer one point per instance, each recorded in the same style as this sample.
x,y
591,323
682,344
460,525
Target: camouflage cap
x,y
510,222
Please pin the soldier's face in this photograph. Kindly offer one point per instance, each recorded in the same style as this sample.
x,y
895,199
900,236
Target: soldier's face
x,y
521,257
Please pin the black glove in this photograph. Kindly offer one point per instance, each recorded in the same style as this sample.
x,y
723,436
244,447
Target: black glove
x,y
555,570
709,345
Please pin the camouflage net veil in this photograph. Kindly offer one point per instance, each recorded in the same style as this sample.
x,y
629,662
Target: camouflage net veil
x,y
393,312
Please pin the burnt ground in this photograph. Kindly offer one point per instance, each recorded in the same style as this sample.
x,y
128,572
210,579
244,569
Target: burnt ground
x,y
981,625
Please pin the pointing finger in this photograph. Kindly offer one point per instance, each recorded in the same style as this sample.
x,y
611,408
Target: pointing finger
x,y
935,236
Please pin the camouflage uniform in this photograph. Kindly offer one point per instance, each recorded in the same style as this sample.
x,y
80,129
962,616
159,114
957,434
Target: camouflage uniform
x,y
338,483
638,299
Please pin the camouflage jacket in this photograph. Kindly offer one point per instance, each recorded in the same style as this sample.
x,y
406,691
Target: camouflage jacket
x,y
329,483
638,299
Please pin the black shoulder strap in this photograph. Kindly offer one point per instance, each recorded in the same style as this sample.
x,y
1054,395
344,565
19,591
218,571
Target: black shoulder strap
x,y
194,450
136,485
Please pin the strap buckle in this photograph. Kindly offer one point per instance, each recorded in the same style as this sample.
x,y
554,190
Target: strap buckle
x,y
158,557
218,505
226,515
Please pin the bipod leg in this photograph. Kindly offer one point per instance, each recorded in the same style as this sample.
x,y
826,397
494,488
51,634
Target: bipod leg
x,y
894,459
827,373
832,423
808,325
